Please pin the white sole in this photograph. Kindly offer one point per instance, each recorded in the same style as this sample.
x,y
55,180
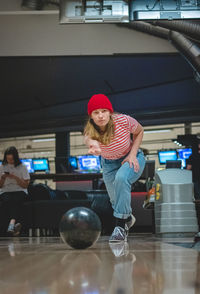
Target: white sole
x,y
117,241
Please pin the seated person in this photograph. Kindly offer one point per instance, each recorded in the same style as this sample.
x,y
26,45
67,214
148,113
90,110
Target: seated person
x,y
193,163
14,180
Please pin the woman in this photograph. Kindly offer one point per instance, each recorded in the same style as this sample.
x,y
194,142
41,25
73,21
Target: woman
x,y
14,180
109,134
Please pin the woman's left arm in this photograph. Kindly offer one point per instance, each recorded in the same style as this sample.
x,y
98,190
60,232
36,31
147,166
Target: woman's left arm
x,y
21,182
131,158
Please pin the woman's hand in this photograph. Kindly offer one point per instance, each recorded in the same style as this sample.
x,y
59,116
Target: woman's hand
x,y
133,162
3,177
21,182
11,176
94,148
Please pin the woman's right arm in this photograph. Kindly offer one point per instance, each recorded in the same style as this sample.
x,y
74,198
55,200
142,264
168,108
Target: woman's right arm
x,y
2,180
93,146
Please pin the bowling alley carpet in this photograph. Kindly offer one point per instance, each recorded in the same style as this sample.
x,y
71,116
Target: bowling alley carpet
x,y
45,265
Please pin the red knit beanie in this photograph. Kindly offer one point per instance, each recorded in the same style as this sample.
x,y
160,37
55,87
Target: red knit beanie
x,y
99,101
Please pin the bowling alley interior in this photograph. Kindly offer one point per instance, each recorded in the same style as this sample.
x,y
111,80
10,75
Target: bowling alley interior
x,y
68,222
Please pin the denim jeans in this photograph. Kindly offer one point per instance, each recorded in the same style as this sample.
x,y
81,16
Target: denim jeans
x,y
118,180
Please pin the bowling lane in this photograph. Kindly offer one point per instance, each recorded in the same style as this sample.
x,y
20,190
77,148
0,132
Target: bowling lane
x,y
144,265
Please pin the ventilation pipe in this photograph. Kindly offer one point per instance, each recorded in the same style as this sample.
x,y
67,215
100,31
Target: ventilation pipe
x,y
147,28
33,4
38,4
190,29
187,48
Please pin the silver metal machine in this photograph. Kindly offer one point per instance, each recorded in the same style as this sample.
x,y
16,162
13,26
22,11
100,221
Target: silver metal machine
x,y
175,213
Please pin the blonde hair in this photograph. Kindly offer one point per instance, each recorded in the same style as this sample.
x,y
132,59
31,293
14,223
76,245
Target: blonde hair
x,y
95,133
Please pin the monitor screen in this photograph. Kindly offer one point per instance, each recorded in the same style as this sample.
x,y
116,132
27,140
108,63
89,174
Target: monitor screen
x,y
167,155
0,162
73,162
40,164
184,154
89,163
28,162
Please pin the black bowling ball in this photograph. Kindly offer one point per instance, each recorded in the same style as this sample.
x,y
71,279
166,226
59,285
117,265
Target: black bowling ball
x,y
80,227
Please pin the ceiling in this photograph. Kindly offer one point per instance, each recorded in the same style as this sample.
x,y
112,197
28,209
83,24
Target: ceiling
x,y
50,94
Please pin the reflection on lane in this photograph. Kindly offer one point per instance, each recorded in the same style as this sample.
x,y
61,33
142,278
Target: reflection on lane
x,y
139,267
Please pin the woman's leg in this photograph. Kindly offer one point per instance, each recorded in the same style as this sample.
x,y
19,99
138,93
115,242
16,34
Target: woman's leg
x,y
5,202
12,205
15,204
118,180
110,168
4,219
124,179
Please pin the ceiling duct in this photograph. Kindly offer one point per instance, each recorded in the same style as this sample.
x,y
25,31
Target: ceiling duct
x,y
192,30
189,50
33,4
38,4
148,28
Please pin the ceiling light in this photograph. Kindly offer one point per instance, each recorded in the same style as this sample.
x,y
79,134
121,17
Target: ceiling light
x,y
43,140
85,284
177,143
157,131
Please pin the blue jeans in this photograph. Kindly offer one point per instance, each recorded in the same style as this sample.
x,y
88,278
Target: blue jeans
x,y
118,180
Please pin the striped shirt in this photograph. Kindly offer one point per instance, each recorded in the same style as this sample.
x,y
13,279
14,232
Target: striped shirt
x,y
121,144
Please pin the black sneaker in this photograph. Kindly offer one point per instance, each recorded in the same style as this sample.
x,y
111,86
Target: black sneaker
x,y
17,229
118,235
130,223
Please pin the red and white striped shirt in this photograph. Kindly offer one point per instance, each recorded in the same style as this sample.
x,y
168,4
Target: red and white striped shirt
x,y
121,144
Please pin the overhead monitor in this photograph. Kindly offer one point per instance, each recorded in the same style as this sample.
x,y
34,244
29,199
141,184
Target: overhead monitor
x,y
41,164
164,9
28,162
184,154
89,163
94,11
165,155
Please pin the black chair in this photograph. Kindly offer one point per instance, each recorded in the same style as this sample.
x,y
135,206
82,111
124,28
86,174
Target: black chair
x,y
49,205
102,207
